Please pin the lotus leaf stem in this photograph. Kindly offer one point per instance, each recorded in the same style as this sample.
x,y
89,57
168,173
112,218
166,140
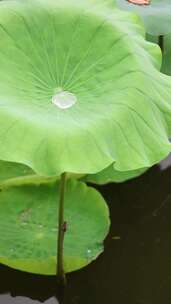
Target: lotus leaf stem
x,y
161,42
61,278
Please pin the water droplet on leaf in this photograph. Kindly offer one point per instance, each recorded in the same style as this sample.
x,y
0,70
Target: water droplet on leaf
x,y
89,254
64,99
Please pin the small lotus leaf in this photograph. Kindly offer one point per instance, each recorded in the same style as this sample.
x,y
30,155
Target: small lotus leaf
x,y
156,15
98,63
28,225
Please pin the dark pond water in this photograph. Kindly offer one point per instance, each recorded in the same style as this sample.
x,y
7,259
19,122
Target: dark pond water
x,y
135,267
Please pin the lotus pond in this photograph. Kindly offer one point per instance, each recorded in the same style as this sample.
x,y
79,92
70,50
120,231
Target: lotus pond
x,y
85,123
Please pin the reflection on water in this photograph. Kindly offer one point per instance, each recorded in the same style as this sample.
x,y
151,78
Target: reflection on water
x,y
136,265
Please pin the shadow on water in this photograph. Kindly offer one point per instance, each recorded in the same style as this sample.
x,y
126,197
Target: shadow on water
x,y
135,267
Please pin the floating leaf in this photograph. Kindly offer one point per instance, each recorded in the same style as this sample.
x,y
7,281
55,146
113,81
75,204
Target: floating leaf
x,y
80,89
28,225
156,15
110,175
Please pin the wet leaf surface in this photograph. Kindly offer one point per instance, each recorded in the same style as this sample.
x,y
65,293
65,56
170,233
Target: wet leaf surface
x,y
63,93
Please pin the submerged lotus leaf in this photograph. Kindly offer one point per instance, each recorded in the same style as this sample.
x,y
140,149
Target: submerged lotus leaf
x,y
156,15
110,175
80,89
28,225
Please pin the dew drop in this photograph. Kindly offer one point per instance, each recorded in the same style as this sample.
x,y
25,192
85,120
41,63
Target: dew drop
x,y
89,254
64,99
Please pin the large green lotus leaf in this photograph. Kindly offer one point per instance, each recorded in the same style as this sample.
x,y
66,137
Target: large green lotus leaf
x,y
111,175
121,103
156,15
28,227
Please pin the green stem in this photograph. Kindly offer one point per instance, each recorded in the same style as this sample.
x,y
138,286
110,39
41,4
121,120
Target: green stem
x,y
161,42
61,233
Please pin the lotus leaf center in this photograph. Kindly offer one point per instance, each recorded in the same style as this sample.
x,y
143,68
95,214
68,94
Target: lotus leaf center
x,y
64,99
